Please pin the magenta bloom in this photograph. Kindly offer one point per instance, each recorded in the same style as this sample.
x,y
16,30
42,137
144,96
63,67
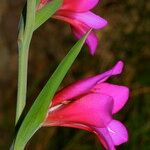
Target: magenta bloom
x,y
77,13
89,105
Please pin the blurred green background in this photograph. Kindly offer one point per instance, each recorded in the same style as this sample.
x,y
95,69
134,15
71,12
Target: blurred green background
x,y
126,38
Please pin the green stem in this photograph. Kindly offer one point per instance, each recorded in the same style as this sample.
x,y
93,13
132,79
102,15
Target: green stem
x,y
22,82
23,46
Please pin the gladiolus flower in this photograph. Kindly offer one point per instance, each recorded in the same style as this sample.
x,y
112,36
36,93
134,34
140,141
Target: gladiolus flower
x,y
89,104
77,13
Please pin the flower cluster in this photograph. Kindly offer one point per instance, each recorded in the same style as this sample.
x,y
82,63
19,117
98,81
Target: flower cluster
x,y
89,104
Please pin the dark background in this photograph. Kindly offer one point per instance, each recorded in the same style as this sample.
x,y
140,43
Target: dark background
x,y
125,38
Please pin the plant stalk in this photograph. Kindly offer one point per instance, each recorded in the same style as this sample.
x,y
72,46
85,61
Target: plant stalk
x,y
24,40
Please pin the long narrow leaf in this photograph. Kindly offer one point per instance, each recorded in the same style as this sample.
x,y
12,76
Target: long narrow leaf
x,y
46,12
37,113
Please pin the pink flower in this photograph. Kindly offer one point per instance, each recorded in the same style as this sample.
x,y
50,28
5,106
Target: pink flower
x,y
89,105
77,13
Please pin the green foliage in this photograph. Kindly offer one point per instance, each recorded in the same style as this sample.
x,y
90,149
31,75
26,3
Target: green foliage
x,y
46,12
36,115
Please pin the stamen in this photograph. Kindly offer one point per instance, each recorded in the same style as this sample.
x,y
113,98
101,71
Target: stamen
x,y
54,108
110,130
66,102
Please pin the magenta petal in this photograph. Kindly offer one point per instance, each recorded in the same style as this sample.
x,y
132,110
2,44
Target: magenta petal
x,y
79,5
114,134
79,29
68,124
119,94
83,86
92,40
105,138
90,110
118,132
88,18
81,23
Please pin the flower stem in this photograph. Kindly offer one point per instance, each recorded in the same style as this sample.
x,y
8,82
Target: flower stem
x,y
24,39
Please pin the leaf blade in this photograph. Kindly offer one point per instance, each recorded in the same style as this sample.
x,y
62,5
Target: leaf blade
x,y
37,113
46,12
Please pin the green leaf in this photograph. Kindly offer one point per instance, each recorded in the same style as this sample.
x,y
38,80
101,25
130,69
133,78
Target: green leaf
x,y
36,115
46,12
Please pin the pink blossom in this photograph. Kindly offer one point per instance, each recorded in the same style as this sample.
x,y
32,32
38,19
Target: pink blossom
x,y
89,104
77,13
